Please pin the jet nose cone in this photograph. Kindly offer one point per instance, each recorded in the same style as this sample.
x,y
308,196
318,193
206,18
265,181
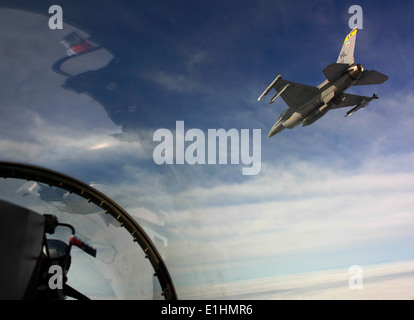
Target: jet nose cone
x,y
271,133
275,129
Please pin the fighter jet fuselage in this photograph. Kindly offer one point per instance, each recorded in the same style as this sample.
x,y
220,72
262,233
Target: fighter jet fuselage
x,y
308,104
328,94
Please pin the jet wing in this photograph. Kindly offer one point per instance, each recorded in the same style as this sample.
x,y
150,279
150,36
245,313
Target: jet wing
x,y
293,93
296,94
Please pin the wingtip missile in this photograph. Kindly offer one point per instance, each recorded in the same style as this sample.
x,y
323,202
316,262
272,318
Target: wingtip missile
x,y
262,95
269,87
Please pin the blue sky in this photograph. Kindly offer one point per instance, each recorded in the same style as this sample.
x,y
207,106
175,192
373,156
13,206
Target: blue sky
x,y
334,194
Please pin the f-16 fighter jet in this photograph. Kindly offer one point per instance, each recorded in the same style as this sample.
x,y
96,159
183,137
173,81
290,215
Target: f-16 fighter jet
x,y
308,104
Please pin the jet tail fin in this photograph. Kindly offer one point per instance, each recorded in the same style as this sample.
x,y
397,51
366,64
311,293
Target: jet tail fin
x,y
371,77
347,52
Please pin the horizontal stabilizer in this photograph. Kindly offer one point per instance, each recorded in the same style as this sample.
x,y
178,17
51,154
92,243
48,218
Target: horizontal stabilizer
x,y
334,71
371,77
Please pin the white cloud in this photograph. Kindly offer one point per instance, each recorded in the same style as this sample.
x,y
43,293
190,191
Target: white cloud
x,y
290,212
384,282
186,81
